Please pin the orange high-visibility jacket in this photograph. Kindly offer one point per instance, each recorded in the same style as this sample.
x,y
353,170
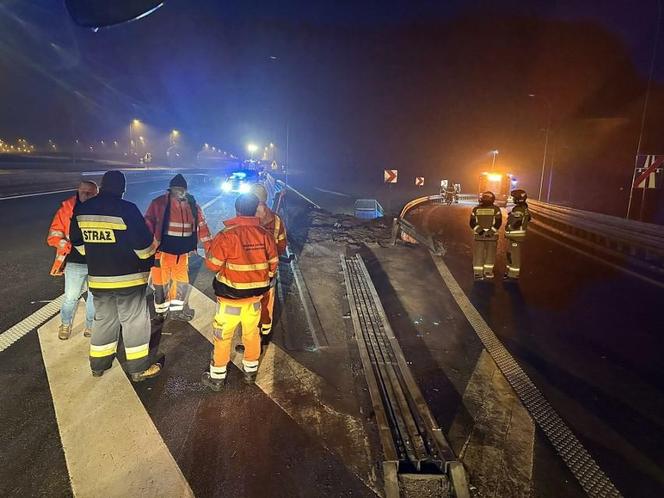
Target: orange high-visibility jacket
x,y
178,236
244,256
273,223
58,237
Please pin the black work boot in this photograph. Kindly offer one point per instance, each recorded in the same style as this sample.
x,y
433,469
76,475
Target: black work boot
x,y
239,348
159,318
185,315
214,384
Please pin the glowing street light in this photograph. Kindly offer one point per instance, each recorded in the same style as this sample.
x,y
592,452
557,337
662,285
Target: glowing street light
x,y
252,148
134,122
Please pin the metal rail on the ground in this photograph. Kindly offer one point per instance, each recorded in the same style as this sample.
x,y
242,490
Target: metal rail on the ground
x,y
413,443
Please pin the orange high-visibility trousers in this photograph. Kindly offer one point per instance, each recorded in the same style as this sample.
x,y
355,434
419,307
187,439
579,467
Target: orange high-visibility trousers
x,y
170,278
267,310
231,313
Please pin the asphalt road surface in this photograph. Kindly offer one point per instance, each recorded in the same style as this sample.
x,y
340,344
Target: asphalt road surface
x,y
588,335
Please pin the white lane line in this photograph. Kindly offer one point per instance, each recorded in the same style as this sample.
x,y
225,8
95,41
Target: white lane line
x,y
209,203
577,458
301,394
13,334
20,196
50,192
111,445
332,192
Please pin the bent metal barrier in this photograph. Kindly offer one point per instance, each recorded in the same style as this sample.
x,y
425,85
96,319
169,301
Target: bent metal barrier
x,y
630,246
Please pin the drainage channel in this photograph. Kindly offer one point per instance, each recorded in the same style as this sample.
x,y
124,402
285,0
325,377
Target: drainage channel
x,y
418,460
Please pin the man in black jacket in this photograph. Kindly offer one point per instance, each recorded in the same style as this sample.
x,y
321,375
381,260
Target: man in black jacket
x,y
119,249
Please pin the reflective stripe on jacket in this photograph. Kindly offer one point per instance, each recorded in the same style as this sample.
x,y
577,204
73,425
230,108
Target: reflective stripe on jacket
x,y
485,218
117,243
178,236
517,222
273,223
244,256
58,236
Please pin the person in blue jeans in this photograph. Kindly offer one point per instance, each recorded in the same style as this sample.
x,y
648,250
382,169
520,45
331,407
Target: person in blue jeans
x,y
74,264
76,279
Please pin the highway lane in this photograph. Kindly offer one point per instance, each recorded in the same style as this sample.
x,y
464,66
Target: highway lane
x,y
209,435
589,336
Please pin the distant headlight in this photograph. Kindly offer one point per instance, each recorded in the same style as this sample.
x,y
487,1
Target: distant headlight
x,y
245,188
226,186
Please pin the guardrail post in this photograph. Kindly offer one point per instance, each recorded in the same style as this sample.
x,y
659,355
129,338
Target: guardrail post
x,y
395,231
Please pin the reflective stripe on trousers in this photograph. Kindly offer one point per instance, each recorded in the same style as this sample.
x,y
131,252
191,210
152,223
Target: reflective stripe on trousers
x,y
120,311
170,279
229,315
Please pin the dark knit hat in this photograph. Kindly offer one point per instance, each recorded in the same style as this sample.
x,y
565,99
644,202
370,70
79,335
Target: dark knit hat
x,y
246,204
178,181
114,182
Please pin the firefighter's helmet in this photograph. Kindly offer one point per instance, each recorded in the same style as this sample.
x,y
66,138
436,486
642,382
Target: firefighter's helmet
x,y
519,196
487,198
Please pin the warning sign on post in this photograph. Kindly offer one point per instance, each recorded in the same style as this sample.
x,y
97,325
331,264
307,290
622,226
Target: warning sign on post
x,y
419,181
391,175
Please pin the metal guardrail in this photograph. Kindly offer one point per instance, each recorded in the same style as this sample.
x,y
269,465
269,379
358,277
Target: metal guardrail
x,y
630,246
625,243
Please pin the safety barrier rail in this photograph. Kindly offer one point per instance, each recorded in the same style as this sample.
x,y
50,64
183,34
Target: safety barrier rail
x,y
632,245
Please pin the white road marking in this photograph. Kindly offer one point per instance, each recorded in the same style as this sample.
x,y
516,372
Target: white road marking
x,y
300,393
111,445
29,323
332,192
209,203
20,196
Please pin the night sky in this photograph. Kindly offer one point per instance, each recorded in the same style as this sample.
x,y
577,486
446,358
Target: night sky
x,y
428,87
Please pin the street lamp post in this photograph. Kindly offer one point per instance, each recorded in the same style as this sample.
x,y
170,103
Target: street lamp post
x,y
546,143
134,122
252,148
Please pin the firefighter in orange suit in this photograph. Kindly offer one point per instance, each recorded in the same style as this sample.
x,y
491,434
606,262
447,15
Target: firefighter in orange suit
x,y
244,257
485,220
273,223
71,264
178,224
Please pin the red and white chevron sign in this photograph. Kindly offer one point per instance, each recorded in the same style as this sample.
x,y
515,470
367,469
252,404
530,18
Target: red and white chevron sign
x,y
391,175
648,172
419,181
